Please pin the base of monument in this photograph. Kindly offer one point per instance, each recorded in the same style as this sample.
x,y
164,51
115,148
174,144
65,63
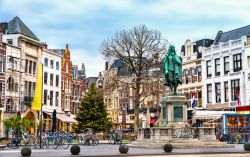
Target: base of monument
x,y
177,125
178,144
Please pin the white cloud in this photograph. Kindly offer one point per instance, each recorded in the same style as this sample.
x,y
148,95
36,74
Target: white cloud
x,y
93,63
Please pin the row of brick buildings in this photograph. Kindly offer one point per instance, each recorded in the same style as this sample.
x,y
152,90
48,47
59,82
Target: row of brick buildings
x,y
64,84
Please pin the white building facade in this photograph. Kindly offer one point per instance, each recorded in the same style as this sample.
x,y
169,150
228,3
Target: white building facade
x,y
225,70
191,54
51,81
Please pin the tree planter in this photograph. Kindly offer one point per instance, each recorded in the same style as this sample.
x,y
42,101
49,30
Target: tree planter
x,y
75,150
26,151
123,149
168,148
247,146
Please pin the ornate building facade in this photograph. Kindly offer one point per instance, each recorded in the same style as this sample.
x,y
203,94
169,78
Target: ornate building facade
x,y
191,54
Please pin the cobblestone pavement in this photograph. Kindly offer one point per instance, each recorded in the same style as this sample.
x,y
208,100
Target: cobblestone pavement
x,y
113,150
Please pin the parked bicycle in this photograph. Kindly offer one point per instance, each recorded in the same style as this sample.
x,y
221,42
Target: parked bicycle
x,y
19,138
88,137
115,136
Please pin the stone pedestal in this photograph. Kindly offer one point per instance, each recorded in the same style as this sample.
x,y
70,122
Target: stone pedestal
x,y
174,111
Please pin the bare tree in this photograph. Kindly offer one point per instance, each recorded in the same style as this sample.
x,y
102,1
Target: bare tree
x,y
139,48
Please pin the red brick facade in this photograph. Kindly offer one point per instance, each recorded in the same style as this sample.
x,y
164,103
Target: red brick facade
x,y
66,66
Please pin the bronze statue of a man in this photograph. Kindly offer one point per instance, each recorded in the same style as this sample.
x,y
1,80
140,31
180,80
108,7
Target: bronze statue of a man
x,y
172,70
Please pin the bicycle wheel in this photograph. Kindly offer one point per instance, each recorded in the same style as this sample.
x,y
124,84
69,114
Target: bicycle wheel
x,y
56,144
65,143
50,142
96,141
13,145
37,143
110,139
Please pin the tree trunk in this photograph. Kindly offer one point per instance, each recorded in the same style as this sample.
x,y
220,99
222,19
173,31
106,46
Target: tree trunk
x,y
137,104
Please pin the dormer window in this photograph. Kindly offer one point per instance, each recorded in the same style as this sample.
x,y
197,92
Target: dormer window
x,y
189,50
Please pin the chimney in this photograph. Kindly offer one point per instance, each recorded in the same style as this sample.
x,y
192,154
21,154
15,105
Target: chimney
x,y
45,45
4,27
106,65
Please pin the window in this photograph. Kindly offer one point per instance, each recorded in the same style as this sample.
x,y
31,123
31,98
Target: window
x,y
57,98
15,65
57,80
10,84
226,65
209,70
209,93
26,65
10,41
26,88
67,68
217,67
51,79
45,97
30,67
57,65
30,89
34,88
226,91
51,64
46,62
51,98
189,50
217,92
248,61
45,77
235,89
34,68
11,62
1,63
237,60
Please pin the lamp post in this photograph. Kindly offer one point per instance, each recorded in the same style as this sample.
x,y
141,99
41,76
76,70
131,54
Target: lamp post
x,y
124,116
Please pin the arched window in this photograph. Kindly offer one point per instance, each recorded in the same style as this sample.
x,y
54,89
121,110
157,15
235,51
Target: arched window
x,y
10,84
10,106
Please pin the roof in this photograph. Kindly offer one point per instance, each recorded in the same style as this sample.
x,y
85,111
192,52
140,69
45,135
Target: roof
x,y
16,26
198,43
59,51
232,35
123,70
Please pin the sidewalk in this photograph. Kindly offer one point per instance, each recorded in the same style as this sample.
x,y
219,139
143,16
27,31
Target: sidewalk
x,y
113,150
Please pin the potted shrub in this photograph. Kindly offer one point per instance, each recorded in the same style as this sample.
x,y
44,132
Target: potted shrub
x,y
168,148
123,149
26,151
75,150
247,146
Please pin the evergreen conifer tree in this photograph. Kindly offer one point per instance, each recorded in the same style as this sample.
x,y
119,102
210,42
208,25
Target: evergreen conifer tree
x,y
92,113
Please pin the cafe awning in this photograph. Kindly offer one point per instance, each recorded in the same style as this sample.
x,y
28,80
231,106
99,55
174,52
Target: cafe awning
x,y
65,118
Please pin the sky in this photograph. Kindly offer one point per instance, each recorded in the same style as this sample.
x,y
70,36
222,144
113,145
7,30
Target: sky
x,y
84,24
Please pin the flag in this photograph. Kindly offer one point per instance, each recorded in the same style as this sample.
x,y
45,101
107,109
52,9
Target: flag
x,y
37,99
238,96
193,100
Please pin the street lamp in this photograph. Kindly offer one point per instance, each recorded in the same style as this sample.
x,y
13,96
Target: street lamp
x,y
124,106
